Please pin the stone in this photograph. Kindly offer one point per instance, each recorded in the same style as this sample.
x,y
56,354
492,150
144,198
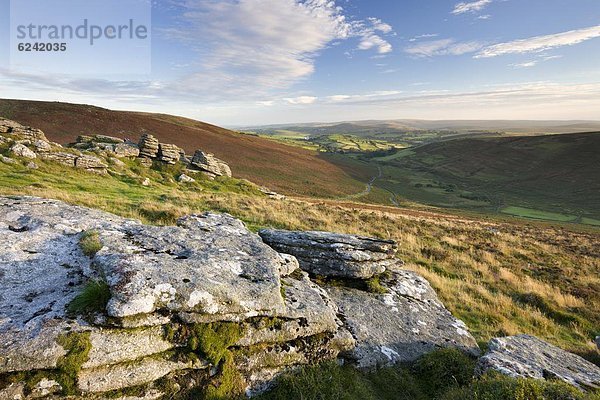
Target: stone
x,y
146,182
153,267
400,326
90,163
114,377
148,146
21,150
289,266
334,255
116,162
107,139
67,159
113,346
272,195
123,150
32,165
168,153
7,160
84,139
598,342
525,356
42,145
210,164
183,178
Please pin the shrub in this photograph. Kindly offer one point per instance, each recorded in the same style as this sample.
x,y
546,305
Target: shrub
x,y
444,369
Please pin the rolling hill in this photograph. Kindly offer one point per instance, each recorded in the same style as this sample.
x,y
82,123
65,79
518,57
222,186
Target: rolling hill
x,y
287,169
552,177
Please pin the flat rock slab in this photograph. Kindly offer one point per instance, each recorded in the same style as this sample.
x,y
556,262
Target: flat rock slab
x,y
209,264
400,326
332,254
526,356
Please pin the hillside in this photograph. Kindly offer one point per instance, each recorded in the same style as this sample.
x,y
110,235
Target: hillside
x,y
290,170
551,177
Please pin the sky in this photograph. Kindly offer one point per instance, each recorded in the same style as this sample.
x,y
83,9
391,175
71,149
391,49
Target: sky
x,y
253,62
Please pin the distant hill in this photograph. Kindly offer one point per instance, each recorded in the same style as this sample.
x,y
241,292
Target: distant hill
x,y
403,126
287,169
553,177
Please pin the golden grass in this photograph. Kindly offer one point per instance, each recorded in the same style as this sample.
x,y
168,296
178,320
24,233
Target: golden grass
x,y
500,278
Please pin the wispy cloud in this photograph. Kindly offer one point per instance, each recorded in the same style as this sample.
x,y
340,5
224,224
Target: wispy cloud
x,y
253,47
424,36
443,47
473,6
301,100
541,43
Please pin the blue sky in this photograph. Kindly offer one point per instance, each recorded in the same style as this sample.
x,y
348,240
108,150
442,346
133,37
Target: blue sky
x,y
246,62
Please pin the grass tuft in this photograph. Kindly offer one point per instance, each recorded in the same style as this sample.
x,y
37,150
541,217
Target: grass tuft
x,y
90,243
93,298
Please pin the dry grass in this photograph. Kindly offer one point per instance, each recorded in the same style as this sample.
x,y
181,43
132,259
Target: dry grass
x,y
500,278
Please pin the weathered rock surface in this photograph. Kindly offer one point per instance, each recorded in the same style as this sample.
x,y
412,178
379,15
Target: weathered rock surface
x,y
210,164
90,163
183,178
66,159
148,146
209,268
526,356
21,150
598,342
401,325
123,150
334,255
168,153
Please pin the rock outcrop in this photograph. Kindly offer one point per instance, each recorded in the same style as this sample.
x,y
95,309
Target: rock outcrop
x,y
148,146
526,356
167,288
334,255
210,164
168,153
94,153
163,283
401,325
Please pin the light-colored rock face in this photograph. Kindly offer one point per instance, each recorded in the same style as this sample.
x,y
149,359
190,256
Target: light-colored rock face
x,y
334,255
526,356
209,268
183,178
210,164
400,326
209,264
21,150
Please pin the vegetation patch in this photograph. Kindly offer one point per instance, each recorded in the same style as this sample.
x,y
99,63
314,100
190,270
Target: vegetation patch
x,y
77,346
90,243
93,298
441,375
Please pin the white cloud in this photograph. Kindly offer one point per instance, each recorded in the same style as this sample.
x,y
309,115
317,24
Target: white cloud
x,y
484,17
541,43
527,64
425,36
370,34
301,100
473,6
443,47
254,47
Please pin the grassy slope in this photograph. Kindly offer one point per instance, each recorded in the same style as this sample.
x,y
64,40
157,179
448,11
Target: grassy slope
x,y
499,277
287,169
545,177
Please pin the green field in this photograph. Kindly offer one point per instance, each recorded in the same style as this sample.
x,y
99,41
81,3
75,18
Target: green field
x,y
538,214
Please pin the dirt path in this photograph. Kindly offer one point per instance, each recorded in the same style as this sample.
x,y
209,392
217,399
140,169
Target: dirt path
x,y
368,188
